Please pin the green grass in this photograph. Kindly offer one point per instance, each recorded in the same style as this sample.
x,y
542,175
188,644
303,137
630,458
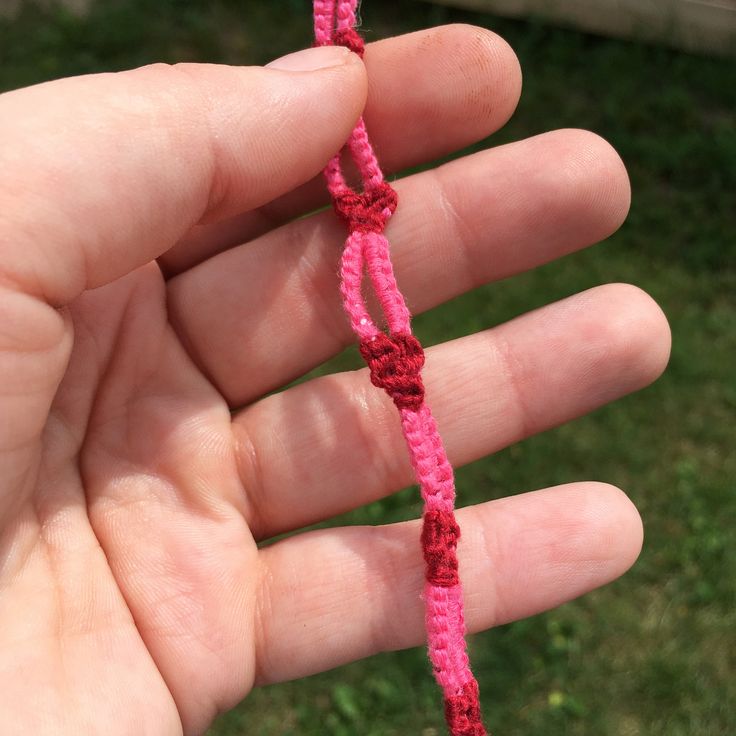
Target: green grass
x,y
653,654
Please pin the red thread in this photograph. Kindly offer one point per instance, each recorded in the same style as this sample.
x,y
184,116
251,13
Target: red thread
x,y
396,363
462,712
347,37
369,211
440,533
351,38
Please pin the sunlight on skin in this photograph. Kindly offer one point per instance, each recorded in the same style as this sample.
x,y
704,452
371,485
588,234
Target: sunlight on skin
x,y
133,597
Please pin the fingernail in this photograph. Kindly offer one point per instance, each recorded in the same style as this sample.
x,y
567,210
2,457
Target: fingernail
x,y
310,60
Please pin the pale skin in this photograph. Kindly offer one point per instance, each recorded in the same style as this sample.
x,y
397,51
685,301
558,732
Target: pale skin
x,y
155,287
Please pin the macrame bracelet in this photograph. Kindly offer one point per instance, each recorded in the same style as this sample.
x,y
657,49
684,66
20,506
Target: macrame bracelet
x,y
395,361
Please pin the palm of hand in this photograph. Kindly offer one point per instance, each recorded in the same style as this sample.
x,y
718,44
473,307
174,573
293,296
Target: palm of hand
x,y
139,572
133,596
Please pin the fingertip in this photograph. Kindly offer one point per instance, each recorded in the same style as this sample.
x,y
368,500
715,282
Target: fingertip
x,y
339,73
590,183
533,551
314,59
616,524
270,129
494,63
611,195
652,338
454,84
589,525
636,332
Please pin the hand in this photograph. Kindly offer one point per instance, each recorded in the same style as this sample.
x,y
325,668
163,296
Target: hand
x,y
133,597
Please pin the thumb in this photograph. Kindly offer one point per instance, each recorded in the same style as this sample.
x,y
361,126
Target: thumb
x,y
100,174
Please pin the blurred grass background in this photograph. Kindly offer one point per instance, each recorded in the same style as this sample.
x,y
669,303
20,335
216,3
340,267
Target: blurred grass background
x,y
653,653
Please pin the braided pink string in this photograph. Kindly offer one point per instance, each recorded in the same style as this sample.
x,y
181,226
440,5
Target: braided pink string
x,y
395,364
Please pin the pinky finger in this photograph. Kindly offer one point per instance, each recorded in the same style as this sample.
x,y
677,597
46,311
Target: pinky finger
x,y
333,596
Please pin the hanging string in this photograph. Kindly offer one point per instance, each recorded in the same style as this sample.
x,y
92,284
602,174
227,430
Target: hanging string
x,y
395,361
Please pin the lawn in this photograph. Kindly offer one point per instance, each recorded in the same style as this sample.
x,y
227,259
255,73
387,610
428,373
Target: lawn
x,y
653,654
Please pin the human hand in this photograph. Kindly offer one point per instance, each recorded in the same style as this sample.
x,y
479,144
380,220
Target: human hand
x,y
135,327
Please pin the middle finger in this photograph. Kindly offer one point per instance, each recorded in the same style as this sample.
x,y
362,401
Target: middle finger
x,y
260,315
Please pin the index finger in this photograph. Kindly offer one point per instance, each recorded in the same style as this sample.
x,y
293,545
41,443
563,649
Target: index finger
x,y
430,93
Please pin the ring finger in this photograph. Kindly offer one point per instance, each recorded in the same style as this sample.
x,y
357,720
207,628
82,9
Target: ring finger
x,y
299,449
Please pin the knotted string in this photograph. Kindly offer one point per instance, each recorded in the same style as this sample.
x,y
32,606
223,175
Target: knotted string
x,y
395,361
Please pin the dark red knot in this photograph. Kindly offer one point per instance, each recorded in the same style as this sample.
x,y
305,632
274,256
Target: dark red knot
x,y
440,533
367,212
351,38
462,712
396,363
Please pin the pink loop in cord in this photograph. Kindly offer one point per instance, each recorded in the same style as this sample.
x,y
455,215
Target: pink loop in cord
x,y
395,361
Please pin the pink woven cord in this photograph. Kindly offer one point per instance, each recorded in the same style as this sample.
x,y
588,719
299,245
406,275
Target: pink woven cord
x,y
372,249
362,151
351,278
395,362
363,155
346,10
324,21
431,467
445,626
381,272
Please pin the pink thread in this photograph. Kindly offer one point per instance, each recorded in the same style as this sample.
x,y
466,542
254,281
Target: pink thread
x,y
395,363
446,628
324,21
